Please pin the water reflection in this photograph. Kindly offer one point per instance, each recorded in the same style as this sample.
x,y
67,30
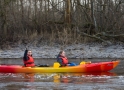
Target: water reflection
x,y
53,77
54,80
79,78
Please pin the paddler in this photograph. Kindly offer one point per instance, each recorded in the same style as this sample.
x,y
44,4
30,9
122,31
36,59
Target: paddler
x,y
28,59
63,60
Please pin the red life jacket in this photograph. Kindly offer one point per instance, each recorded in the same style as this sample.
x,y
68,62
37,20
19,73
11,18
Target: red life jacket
x,y
30,62
64,60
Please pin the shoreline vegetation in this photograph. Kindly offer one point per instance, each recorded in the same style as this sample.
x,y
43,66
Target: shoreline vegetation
x,y
61,21
52,25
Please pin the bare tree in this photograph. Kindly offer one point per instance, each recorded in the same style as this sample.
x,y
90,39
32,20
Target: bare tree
x,y
61,21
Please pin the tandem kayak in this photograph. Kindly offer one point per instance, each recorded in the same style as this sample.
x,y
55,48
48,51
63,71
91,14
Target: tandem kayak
x,y
83,67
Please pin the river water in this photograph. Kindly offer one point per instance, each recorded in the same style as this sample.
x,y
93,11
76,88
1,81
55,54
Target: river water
x,y
113,80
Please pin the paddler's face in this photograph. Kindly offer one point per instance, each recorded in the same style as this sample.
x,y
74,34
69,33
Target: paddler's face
x,y
29,53
63,53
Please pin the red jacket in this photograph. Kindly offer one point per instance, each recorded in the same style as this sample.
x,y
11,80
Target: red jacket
x,y
64,60
29,62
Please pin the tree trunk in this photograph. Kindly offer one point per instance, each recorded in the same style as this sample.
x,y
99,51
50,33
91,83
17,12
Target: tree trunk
x,y
4,16
68,12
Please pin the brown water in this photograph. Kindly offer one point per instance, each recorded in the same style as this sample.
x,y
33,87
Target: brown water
x,y
113,80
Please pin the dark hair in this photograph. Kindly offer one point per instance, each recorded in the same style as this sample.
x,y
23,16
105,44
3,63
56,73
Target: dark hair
x,y
61,52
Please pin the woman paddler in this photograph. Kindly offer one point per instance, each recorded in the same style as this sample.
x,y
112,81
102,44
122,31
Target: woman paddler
x,y
62,59
28,59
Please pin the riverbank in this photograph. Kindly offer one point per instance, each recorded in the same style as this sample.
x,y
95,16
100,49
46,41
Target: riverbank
x,y
72,51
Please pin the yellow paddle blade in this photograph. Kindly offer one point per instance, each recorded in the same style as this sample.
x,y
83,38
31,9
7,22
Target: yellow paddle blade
x,y
56,65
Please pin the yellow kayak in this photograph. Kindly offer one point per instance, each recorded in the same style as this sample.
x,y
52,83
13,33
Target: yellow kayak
x,y
84,67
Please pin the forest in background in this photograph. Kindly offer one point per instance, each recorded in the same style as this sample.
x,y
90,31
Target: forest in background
x,y
61,21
